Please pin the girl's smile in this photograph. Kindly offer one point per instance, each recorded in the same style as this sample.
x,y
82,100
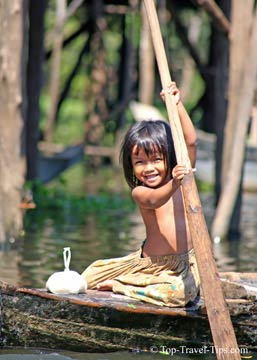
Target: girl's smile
x,y
149,169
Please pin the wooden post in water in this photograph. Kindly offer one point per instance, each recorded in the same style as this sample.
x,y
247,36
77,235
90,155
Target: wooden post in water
x,y
223,334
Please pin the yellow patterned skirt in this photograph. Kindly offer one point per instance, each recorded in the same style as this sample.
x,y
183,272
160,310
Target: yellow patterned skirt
x,y
170,280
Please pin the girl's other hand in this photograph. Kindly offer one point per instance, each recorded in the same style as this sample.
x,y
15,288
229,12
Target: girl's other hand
x,y
173,90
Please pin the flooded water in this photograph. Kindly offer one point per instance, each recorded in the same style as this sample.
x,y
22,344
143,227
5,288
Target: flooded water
x,y
38,254
102,234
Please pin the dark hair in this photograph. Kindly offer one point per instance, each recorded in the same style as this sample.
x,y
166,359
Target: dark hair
x,y
150,135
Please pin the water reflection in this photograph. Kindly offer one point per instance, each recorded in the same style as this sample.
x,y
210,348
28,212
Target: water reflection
x,y
116,233
40,253
240,254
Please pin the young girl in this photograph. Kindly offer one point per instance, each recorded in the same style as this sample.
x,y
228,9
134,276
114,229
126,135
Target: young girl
x,y
163,271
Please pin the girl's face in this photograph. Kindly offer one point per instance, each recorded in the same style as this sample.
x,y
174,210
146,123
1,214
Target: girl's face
x,y
150,169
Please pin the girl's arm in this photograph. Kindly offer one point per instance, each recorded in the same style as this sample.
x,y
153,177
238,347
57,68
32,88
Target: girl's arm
x,y
153,198
189,132
186,123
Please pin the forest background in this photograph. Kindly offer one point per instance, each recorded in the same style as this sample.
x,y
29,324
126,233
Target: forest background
x,y
71,71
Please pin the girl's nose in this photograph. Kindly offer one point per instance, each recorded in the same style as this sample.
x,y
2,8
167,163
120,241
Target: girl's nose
x,y
149,166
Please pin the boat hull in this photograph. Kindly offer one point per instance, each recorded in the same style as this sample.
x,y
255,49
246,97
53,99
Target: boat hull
x,y
104,322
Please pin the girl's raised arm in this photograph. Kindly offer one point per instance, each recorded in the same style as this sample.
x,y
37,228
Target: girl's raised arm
x,y
186,123
189,132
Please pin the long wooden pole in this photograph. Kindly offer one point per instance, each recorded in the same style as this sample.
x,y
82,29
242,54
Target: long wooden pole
x,y
223,334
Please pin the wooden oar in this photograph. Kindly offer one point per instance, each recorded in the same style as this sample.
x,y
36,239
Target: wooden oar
x,y
218,314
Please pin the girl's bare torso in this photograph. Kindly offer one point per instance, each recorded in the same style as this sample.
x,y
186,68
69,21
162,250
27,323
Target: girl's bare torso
x,y
166,228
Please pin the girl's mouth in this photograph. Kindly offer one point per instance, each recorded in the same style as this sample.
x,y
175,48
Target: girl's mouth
x,y
151,178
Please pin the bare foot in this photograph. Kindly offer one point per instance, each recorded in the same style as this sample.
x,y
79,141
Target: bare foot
x,y
106,285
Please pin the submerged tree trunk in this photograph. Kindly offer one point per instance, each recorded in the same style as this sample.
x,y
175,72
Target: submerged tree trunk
x,y
216,96
239,37
12,162
97,91
55,69
227,200
218,93
34,79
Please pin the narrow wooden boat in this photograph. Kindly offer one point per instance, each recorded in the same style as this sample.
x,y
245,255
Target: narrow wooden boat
x,y
102,321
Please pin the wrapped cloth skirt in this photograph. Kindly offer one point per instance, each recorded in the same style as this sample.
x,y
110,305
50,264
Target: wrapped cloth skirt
x,y
170,280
